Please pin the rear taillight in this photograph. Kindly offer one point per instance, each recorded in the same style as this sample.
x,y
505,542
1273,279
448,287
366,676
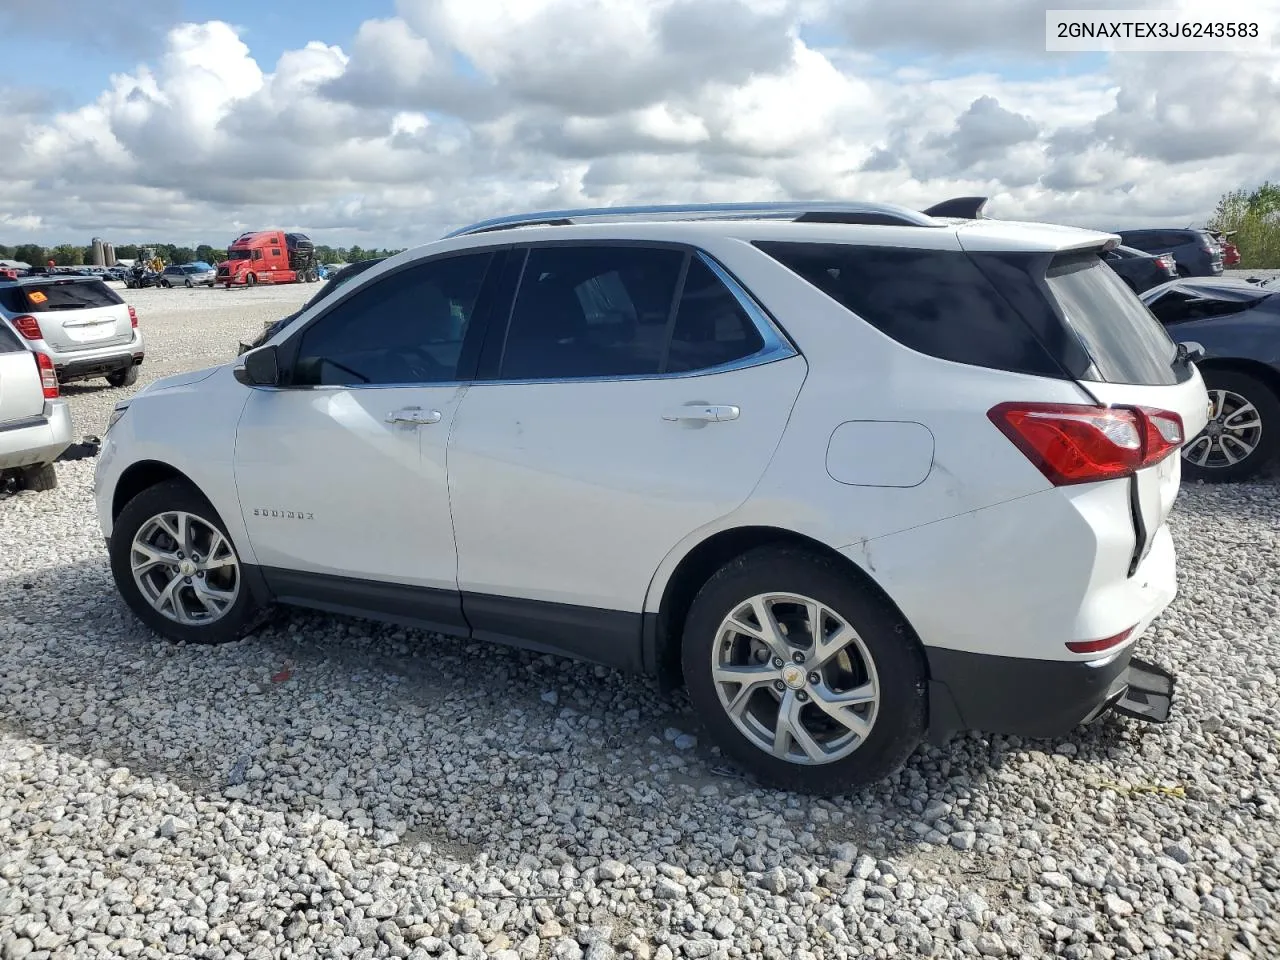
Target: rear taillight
x,y
1075,443
48,376
28,326
133,318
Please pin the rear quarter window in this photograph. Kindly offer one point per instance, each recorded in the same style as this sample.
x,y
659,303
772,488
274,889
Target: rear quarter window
x,y
9,342
73,295
937,302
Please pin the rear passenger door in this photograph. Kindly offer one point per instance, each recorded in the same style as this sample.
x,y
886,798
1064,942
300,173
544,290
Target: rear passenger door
x,y
631,395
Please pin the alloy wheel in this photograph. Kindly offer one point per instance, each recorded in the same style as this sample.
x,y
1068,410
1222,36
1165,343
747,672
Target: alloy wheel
x,y
795,678
1232,434
185,568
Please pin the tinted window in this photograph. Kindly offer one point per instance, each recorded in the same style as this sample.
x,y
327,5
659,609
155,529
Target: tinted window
x,y
404,328
591,312
1126,342
935,301
257,254
711,326
67,295
9,343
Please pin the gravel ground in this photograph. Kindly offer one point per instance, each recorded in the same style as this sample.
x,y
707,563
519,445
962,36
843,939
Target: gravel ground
x,y
334,788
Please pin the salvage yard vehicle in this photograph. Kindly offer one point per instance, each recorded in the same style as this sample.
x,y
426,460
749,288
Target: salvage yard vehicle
x,y
269,256
1196,252
804,459
188,275
35,423
1237,324
79,323
1141,270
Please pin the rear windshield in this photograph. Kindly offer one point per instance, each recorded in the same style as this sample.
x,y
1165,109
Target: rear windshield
x,y
1125,341
66,295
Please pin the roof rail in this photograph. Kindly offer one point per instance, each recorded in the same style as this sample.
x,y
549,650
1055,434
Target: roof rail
x,y
884,214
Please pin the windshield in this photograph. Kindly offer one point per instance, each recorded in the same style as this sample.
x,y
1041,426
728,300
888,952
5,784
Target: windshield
x,y
1125,341
239,254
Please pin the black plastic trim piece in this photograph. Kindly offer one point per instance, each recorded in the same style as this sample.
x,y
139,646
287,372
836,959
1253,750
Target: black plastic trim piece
x,y
609,637
869,219
1014,695
962,208
39,420
1140,532
404,604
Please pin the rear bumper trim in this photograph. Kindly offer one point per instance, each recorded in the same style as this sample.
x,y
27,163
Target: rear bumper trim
x,y
1039,699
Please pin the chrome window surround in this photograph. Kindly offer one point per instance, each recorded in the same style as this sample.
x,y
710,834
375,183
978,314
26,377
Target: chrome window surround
x,y
776,346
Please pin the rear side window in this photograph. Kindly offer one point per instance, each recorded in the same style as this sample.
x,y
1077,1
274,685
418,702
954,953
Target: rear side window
x,y
934,301
9,343
711,327
68,295
595,311
1125,341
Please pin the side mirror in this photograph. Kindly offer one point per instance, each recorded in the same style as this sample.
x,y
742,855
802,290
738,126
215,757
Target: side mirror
x,y
1192,351
261,368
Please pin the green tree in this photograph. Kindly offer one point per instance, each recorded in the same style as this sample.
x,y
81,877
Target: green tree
x,y
180,255
127,251
30,253
1253,219
6,252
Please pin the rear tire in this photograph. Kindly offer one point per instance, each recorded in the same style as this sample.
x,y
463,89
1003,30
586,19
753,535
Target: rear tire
x,y
1248,418
139,533
878,668
124,378
39,478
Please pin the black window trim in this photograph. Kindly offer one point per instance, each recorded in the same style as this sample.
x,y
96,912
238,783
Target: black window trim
x,y
777,344
476,328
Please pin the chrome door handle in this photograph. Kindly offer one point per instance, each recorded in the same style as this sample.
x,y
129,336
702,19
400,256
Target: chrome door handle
x,y
703,412
414,415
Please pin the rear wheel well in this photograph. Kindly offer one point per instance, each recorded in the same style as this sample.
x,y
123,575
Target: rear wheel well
x,y
140,476
702,562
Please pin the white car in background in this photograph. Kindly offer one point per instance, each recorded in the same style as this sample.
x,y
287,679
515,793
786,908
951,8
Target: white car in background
x,y
854,474
79,323
35,423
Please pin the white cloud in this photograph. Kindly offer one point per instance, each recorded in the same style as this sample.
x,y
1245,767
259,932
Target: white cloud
x,y
455,110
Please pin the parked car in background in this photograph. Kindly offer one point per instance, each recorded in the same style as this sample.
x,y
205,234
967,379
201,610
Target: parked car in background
x,y
79,323
1238,325
1141,270
1230,253
35,422
632,435
1196,252
188,275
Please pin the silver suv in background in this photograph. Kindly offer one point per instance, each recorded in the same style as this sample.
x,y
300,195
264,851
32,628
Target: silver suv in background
x,y
79,323
35,423
188,275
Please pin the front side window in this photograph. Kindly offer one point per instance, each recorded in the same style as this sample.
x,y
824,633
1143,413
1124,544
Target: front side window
x,y
404,328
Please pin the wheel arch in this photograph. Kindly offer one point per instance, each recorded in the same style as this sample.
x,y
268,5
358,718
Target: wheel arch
x,y
661,640
1268,374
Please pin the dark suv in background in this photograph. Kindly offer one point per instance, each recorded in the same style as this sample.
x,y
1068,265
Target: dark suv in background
x,y
1197,253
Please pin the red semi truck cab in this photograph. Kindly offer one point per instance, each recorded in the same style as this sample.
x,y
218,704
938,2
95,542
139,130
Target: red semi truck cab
x,y
269,256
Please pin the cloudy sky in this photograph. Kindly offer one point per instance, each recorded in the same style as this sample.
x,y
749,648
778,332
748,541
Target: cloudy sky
x,y
390,125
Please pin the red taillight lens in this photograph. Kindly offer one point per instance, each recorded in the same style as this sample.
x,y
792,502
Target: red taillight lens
x,y
28,326
48,376
133,318
1076,443
1162,434
1098,646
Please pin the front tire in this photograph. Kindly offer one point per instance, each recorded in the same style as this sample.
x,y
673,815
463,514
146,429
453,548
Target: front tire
x,y
1243,435
823,710
250,280
177,569
190,285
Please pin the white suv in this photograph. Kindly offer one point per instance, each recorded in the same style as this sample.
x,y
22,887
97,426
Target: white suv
x,y
854,474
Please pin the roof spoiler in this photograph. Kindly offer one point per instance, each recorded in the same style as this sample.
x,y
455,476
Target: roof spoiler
x,y
963,208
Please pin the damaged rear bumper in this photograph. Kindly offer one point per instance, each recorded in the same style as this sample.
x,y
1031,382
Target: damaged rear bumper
x,y
1040,699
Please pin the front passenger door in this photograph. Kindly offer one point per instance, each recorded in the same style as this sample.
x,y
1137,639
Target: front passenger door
x,y
341,471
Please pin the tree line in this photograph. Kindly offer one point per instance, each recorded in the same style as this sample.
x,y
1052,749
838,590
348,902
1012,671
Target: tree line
x,y
71,255
1254,216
